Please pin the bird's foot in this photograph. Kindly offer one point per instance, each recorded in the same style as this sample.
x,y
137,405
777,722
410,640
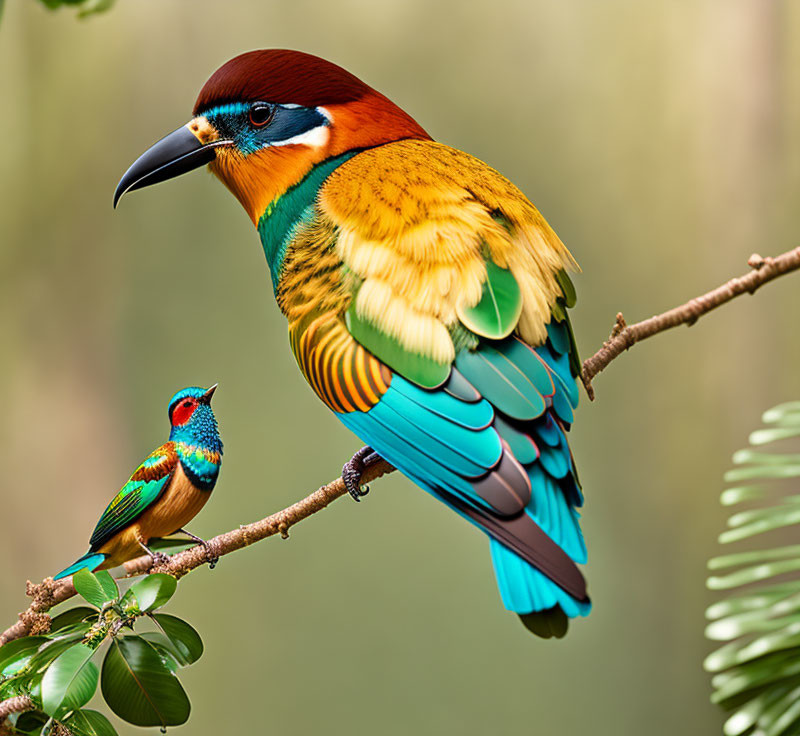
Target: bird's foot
x,y
210,556
354,468
158,558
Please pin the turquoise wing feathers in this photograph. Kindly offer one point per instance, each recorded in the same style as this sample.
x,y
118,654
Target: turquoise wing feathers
x,y
491,443
145,486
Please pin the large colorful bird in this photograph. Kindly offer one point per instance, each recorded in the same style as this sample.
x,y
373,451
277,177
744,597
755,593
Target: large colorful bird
x,y
426,299
165,492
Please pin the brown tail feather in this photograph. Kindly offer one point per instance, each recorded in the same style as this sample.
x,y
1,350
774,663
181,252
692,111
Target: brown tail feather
x,y
525,537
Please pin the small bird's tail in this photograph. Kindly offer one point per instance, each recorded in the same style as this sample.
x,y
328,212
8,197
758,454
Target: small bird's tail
x,y
90,561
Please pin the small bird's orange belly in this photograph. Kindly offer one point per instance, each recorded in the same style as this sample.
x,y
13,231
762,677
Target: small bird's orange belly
x,y
179,504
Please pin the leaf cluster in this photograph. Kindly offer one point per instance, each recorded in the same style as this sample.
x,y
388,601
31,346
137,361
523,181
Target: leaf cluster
x,y
757,671
60,671
85,7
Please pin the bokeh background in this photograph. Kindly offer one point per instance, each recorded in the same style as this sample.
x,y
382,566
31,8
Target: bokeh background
x,y
661,141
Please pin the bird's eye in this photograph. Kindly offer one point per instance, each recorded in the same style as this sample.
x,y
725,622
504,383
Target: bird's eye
x,y
187,404
260,114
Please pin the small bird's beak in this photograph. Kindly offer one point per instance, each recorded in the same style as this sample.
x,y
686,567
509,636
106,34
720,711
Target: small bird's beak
x,y
189,147
206,397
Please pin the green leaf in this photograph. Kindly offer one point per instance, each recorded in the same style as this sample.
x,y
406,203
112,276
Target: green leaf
x,y
108,584
89,723
184,638
747,623
70,681
748,715
13,686
752,574
788,413
765,436
749,455
732,496
94,7
756,556
54,649
757,670
88,586
16,654
154,591
30,722
138,686
73,616
762,471
167,652
497,312
778,718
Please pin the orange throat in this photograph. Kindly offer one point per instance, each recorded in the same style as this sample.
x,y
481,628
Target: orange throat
x,y
260,178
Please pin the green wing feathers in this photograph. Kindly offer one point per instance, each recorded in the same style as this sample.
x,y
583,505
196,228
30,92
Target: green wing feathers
x,y
568,300
420,369
458,256
496,314
146,484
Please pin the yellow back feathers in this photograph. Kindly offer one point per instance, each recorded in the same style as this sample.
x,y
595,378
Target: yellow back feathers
x,y
416,221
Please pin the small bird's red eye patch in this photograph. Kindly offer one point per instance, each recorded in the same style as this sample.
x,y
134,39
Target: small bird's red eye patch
x,y
183,412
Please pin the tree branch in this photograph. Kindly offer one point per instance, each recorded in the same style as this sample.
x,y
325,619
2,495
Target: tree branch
x,y
49,592
19,704
624,336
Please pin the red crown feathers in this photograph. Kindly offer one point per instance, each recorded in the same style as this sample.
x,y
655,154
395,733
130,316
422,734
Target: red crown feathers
x,y
293,77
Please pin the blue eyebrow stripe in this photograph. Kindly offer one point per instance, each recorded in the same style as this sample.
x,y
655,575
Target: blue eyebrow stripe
x,y
232,108
287,122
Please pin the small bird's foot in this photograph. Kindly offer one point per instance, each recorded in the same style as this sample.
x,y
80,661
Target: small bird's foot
x,y
158,558
210,556
354,468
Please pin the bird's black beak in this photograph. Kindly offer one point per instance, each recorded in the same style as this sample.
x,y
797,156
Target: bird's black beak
x,y
206,397
189,147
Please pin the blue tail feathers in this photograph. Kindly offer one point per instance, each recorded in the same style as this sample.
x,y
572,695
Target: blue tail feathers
x,y
470,448
525,589
90,561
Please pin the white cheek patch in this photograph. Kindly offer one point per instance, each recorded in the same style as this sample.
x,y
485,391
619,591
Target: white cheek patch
x,y
316,138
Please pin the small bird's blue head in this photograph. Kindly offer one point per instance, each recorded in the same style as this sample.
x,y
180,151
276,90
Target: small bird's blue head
x,y
193,420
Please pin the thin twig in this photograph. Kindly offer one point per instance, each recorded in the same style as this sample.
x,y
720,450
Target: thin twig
x,y
48,593
624,336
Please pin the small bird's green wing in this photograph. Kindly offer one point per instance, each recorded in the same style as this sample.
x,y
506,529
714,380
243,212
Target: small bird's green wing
x,y
147,483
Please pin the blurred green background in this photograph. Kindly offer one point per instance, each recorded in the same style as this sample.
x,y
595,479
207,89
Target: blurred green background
x,y
660,139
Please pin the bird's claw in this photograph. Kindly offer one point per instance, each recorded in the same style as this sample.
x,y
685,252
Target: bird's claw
x,y
354,468
158,558
210,556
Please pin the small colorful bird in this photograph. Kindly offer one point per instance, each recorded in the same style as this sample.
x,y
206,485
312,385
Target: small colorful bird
x,y
426,299
165,492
